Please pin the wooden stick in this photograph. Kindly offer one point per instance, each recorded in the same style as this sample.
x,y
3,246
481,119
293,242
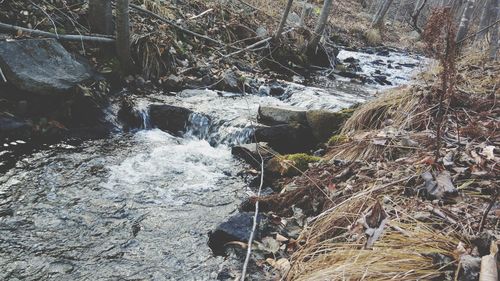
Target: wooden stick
x,y
3,76
96,38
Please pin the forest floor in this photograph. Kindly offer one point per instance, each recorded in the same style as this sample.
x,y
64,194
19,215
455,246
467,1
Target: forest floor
x,y
383,203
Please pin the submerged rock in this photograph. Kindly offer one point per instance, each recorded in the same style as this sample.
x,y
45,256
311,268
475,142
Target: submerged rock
x,y
12,127
172,119
41,66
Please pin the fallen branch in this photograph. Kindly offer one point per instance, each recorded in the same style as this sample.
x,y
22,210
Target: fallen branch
x,y
167,21
479,31
95,38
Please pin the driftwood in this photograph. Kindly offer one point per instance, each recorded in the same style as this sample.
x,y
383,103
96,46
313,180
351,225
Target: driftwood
x,y
65,37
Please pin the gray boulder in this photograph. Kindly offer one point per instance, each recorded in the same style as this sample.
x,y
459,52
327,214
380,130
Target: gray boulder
x,y
236,228
172,119
41,66
273,115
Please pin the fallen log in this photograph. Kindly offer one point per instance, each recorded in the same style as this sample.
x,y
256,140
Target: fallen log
x,y
61,37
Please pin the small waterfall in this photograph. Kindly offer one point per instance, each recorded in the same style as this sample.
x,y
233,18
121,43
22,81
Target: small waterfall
x,y
144,115
202,127
198,126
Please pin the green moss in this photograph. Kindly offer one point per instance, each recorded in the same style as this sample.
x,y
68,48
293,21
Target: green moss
x,y
301,160
336,139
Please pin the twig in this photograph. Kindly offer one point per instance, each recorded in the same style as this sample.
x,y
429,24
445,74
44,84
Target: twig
x,y
255,217
167,21
488,209
200,15
96,38
3,76
247,48
441,214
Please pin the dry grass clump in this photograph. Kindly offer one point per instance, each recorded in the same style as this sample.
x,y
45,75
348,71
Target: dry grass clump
x,y
407,249
373,37
404,254
399,105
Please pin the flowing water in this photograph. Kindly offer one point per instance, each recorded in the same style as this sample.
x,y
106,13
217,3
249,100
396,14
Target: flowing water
x,y
138,206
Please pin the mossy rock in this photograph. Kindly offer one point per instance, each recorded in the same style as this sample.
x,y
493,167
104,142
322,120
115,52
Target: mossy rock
x,y
287,165
338,139
326,123
302,160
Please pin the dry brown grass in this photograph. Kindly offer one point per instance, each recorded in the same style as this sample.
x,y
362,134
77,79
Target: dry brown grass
x,y
331,251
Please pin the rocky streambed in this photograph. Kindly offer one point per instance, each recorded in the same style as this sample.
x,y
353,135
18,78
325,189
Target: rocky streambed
x,y
139,204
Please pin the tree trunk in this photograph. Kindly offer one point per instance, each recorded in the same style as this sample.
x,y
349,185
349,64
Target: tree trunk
x,y
374,5
320,26
494,32
398,11
123,35
378,19
463,28
284,18
488,10
100,16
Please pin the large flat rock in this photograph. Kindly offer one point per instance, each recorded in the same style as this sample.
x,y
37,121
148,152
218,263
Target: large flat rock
x,y
41,66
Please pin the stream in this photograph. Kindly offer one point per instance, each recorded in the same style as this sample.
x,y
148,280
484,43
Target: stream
x,y
139,205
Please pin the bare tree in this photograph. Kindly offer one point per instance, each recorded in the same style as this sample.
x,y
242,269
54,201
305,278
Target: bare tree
x,y
123,34
486,14
463,28
378,19
419,6
320,26
494,32
284,18
100,16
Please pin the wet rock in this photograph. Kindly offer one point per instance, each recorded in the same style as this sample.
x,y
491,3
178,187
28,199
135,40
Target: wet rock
x,y
409,65
251,154
384,53
236,228
173,83
41,66
351,60
12,127
349,74
6,212
470,268
378,62
287,138
381,79
273,115
277,90
229,82
262,32
127,114
483,243
324,124
172,119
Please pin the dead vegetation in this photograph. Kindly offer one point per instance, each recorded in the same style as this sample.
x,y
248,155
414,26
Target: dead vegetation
x,y
381,206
